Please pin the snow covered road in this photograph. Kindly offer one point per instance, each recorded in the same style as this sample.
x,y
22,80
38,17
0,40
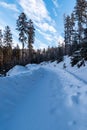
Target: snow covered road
x,y
46,99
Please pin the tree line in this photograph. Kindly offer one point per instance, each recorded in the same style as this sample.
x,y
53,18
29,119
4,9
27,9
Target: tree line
x,y
75,32
11,56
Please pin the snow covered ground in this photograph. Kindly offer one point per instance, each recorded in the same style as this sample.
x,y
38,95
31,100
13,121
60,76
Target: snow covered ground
x,y
44,97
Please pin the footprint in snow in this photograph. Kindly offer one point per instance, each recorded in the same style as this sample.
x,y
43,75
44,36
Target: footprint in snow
x,y
72,123
71,86
78,86
75,98
78,93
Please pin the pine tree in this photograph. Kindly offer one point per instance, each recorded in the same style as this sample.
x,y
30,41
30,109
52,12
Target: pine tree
x,y
75,45
83,49
7,49
72,27
31,35
7,37
22,28
1,36
80,13
16,55
1,50
60,52
67,32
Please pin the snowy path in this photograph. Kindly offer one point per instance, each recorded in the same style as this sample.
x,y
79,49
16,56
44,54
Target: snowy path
x,y
42,102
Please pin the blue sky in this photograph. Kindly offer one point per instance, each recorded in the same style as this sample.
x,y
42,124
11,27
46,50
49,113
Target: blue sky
x,y
47,16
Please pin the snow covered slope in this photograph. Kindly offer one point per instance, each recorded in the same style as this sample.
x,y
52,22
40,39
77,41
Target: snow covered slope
x,y
43,97
80,73
16,70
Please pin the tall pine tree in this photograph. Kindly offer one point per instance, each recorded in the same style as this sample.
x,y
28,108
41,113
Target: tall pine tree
x,y
7,50
31,34
7,37
1,50
80,13
1,38
22,28
67,33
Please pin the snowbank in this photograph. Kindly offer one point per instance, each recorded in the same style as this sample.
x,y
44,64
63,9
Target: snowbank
x,y
32,66
79,73
16,70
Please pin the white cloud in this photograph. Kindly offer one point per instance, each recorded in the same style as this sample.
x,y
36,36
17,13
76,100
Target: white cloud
x,y
2,24
39,45
46,36
55,3
9,6
55,13
49,27
54,40
60,40
37,11
45,25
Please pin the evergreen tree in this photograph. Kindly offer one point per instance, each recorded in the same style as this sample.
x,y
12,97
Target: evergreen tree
x,y
1,50
22,28
83,49
80,15
75,45
1,36
31,35
72,27
7,49
7,37
16,55
60,52
67,33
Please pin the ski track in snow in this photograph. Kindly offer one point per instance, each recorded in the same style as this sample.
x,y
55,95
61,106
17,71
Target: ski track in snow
x,y
85,82
46,99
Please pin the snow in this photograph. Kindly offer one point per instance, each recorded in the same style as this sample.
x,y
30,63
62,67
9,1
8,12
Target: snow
x,y
44,97
16,70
